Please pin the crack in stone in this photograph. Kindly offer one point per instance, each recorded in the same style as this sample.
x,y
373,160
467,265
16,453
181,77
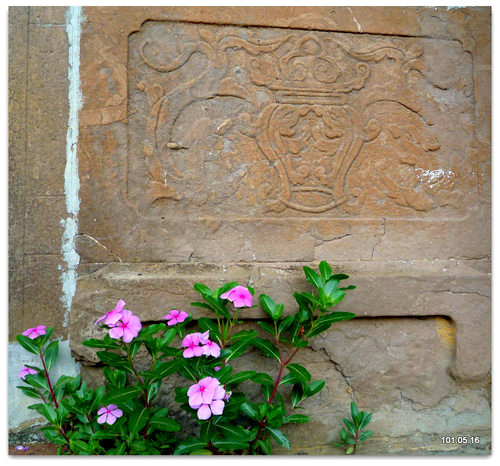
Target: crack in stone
x,y
100,244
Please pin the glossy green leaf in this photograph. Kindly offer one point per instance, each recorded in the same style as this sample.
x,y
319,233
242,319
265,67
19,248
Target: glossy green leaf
x,y
299,372
325,270
313,277
28,344
120,395
279,436
267,348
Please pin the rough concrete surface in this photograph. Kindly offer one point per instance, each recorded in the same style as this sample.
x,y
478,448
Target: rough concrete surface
x,y
241,143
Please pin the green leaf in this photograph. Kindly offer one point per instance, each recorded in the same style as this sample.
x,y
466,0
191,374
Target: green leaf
x,y
262,379
285,323
354,410
230,444
167,337
365,419
120,395
223,374
80,447
247,334
325,270
267,304
297,394
114,360
152,329
298,418
94,343
349,451
138,419
37,381
279,436
28,344
239,347
265,446
250,410
50,354
315,387
240,377
49,412
340,276
365,435
236,432
299,372
267,348
189,445
168,368
208,324
266,327
202,289
28,391
164,424
350,427
325,322
53,436
313,277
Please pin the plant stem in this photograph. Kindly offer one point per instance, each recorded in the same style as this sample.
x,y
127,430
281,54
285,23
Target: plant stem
x,y
127,349
56,404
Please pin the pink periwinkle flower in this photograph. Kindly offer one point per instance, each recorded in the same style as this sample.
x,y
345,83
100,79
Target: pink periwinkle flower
x,y
25,371
192,344
35,332
211,348
127,327
109,414
176,317
207,397
22,447
112,317
227,396
239,296
217,368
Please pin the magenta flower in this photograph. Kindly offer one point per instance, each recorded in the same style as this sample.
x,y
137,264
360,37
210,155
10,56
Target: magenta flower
x,y
35,332
25,371
217,368
207,397
176,317
112,317
239,296
192,344
22,448
109,414
211,348
127,327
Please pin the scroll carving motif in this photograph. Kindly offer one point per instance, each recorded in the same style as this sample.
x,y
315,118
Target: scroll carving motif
x,y
310,108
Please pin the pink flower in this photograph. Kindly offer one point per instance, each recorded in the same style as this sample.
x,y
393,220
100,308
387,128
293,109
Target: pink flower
x,y
35,332
203,391
176,317
112,317
109,414
211,348
207,397
191,342
227,396
25,371
239,296
128,327
22,448
217,368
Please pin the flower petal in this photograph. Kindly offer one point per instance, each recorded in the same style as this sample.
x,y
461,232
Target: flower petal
x,y
204,412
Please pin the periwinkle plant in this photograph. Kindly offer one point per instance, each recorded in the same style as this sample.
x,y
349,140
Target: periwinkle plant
x,y
121,417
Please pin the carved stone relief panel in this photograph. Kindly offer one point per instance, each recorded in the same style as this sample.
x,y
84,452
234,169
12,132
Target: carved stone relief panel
x,y
242,121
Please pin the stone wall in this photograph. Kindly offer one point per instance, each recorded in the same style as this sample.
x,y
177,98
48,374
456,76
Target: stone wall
x,y
239,143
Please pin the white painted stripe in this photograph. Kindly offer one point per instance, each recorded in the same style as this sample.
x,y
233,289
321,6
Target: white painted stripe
x,y
74,20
